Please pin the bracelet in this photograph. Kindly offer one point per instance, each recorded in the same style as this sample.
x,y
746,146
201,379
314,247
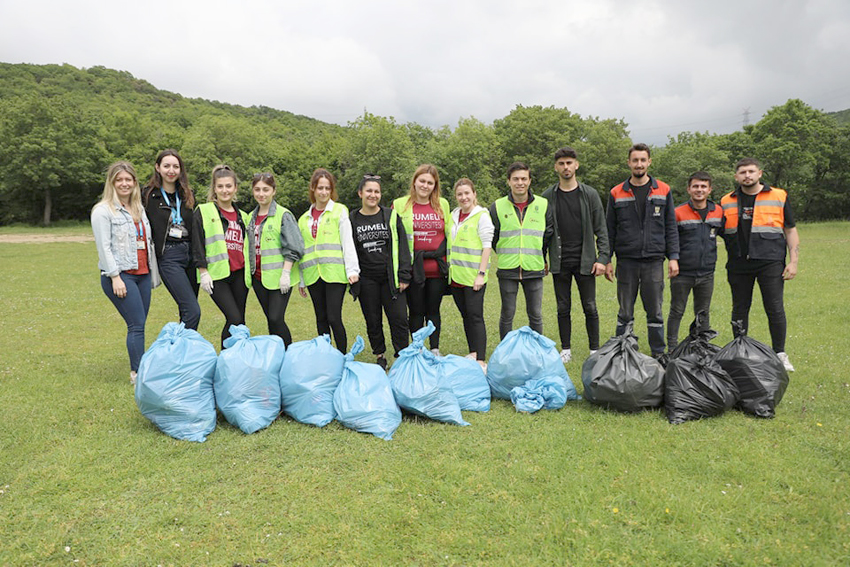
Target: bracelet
x,y
480,273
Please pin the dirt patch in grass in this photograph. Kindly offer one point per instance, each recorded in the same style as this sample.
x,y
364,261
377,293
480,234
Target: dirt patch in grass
x,y
43,238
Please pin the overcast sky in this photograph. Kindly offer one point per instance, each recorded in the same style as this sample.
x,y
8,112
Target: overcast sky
x,y
663,66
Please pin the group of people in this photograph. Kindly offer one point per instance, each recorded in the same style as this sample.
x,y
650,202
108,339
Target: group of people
x,y
400,260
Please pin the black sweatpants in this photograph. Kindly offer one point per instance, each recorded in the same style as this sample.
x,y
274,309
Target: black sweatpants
x,y
375,295
230,296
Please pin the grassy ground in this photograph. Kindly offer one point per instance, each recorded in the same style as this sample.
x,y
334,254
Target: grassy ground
x,y
86,480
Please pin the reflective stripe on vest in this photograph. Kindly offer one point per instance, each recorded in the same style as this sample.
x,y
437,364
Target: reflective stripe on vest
x,y
323,255
521,245
464,252
768,212
271,253
215,246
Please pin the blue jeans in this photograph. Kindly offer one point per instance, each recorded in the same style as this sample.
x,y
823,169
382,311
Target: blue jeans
x,y
533,290
134,309
178,275
680,289
646,277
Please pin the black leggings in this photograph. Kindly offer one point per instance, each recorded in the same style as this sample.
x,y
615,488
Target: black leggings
x,y
423,303
230,296
375,294
470,303
327,303
274,306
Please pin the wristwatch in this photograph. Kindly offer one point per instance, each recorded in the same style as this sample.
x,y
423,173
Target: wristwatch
x,y
480,273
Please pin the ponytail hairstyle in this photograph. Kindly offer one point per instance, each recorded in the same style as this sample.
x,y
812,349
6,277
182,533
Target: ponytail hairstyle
x,y
467,181
314,182
218,172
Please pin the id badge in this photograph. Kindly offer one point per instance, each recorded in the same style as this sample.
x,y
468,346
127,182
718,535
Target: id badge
x,y
140,244
175,232
712,233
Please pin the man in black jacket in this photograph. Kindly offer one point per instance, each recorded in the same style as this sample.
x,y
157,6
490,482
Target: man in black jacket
x,y
579,247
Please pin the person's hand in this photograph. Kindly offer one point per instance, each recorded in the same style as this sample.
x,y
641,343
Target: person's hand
x,y
119,289
285,284
545,269
790,271
403,286
597,269
672,269
609,271
478,283
353,279
302,291
206,282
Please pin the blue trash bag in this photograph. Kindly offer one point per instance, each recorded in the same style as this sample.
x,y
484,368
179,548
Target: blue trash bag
x,y
309,375
247,379
542,393
468,382
364,400
618,376
523,355
418,384
174,386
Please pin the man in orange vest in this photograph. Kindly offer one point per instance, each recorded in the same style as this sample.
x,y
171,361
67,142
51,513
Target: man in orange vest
x,y
759,226
642,231
699,220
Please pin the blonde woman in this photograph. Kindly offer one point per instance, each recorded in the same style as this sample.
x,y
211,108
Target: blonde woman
x,y
125,254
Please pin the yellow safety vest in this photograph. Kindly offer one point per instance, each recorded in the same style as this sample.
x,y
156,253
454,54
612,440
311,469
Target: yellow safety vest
x,y
465,251
406,214
521,245
323,256
215,247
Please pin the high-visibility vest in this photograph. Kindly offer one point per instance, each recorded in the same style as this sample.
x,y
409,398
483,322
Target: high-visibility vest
x,y
521,244
215,247
406,214
464,252
323,256
271,254
767,236
394,244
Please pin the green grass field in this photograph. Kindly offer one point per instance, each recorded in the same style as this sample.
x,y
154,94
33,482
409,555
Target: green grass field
x,y
85,479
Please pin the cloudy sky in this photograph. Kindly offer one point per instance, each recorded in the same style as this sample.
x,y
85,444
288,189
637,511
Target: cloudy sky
x,y
663,66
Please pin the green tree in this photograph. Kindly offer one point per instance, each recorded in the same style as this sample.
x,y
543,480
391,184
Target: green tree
x,y
689,152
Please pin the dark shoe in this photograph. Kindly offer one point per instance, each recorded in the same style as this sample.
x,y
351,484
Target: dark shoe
x,y
382,362
662,358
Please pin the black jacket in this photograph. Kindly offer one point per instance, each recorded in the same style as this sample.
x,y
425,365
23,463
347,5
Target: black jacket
x,y
159,216
592,225
404,261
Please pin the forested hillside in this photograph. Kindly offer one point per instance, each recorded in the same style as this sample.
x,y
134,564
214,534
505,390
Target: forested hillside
x,y
61,126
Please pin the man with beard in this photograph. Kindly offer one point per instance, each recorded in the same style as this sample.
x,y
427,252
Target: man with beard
x,y
759,226
579,247
641,220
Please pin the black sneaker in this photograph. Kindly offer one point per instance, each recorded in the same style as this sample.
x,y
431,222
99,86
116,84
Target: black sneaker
x,y
382,362
662,358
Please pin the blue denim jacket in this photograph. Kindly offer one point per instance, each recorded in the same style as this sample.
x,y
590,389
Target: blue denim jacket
x,y
115,239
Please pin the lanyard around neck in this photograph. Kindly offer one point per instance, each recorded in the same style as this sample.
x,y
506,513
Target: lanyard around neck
x,y
176,217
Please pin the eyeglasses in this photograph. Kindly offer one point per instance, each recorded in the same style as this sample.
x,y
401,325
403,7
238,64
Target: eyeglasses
x,y
371,177
264,175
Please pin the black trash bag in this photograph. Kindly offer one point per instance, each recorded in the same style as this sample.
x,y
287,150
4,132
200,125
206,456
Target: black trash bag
x,y
698,341
757,371
696,387
619,377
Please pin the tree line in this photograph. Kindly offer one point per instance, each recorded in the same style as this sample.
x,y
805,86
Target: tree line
x,y
61,126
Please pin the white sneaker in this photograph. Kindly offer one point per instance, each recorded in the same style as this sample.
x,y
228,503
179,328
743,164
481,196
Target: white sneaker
x,y
471,356
592,352
436,352
566,355
785,362
133,377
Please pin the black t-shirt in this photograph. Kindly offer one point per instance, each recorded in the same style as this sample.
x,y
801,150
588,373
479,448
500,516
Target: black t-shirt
x,y
703,213
745,228
641,193
568,211
371,240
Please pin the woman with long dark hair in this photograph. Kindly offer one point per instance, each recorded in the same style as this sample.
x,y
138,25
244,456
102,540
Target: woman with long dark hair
x,y
330,260
169,202
220,248
276,244
125,254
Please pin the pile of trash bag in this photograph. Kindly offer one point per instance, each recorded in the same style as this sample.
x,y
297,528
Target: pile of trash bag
x,y
174,385
698,341
247,379
618,376
364,399
525,355
418,384
467,380
309,375
756,370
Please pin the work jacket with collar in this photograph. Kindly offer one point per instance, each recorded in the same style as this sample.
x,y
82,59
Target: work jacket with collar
x,y
594,232
651,238
698,238
767,236
115,236
518,273
159,215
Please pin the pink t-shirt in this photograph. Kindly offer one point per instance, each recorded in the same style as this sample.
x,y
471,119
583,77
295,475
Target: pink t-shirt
x,y
429,232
